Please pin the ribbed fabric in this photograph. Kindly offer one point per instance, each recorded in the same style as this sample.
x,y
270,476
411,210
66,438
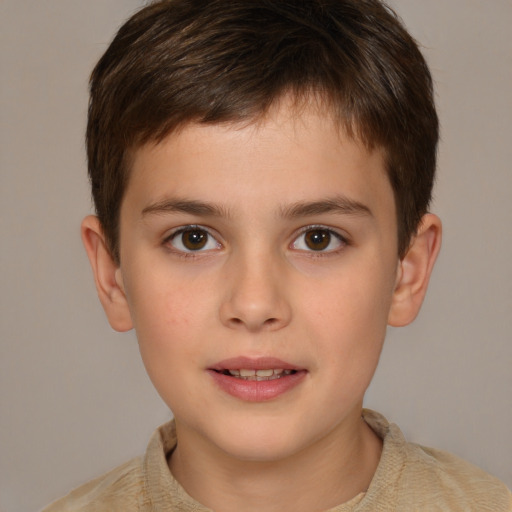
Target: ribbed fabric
x,y
409,478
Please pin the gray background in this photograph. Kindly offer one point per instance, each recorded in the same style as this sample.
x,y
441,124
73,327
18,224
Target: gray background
x,y
74,398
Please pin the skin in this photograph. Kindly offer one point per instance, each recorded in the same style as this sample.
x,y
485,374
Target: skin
x,y
257,289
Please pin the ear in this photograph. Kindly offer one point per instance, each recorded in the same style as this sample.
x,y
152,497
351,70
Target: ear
x,y
107,275
414,272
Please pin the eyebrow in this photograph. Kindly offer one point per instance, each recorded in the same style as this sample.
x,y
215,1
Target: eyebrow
x,y
338,204
189,206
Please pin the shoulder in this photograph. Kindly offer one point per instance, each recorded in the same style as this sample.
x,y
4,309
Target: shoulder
x,y
134,486
451,483
414,477
118,490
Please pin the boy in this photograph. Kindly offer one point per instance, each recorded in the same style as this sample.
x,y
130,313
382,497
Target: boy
x,y
262,173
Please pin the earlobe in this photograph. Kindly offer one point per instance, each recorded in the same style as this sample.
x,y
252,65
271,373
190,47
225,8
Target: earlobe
x,y
107,275
414,272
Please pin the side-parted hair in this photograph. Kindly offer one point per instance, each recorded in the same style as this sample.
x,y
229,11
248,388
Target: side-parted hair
x,y
216,61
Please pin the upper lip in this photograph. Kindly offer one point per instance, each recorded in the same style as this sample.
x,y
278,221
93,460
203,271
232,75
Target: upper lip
x,y
249,363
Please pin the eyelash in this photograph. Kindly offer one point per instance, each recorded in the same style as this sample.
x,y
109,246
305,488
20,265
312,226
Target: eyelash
x,y
183,229
343,241
307,229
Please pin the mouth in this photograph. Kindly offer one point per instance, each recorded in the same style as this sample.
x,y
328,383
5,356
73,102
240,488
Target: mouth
x,y
256,379
257,375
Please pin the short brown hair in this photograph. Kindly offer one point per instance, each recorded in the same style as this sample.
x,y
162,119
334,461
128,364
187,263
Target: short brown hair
x,y
181,61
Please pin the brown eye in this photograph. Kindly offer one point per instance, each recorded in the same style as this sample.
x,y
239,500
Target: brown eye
x,y
317,239
193,239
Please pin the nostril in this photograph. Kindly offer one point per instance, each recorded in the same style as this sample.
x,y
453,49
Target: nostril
x,y
268,323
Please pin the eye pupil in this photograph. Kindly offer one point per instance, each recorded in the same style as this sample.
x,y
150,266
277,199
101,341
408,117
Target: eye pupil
x,y
194,239
318,239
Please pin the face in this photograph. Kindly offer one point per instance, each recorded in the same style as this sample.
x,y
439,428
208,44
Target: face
x,y
259,264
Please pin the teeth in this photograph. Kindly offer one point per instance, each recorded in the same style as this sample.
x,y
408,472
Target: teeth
x,y
259,375
264,373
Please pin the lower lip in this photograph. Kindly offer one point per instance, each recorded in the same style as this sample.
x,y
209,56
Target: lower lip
x,y
257,391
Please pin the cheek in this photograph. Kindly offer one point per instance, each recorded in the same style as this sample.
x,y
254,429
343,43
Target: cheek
x,y
352,300
351,316
167,315
163,297
169,328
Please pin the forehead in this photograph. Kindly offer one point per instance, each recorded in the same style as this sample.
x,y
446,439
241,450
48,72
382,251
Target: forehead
x,y
288,155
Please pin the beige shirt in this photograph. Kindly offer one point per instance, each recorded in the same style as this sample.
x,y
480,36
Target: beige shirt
x,y
409,477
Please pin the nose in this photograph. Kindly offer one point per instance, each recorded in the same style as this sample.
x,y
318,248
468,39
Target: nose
x,y
256,297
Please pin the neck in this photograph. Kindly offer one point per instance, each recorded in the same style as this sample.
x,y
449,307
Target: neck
x,y
332,471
